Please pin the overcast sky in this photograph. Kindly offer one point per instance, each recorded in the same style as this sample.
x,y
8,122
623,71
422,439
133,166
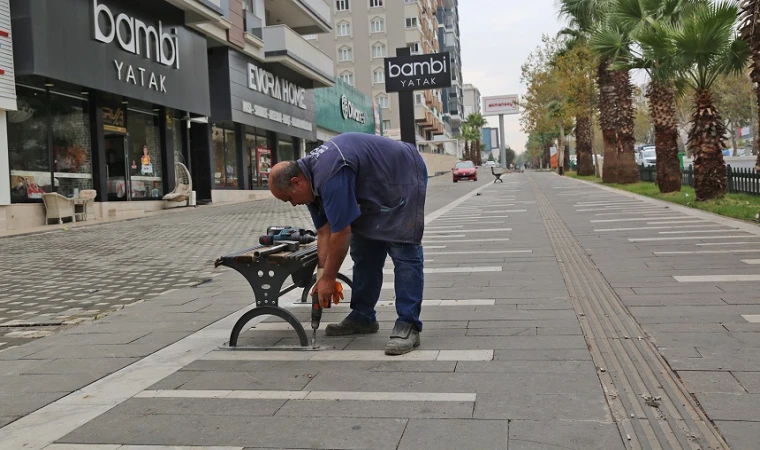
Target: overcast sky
x,y
497,36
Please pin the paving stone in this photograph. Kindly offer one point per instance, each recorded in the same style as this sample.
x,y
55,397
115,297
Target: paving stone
x,y
740,435
750,381
533,406
244,431
480,342
725,406
201,406
427,434
15,404
527,366
30,384
5,420
540,435
258,380
382,409
707,381
542,355
100,367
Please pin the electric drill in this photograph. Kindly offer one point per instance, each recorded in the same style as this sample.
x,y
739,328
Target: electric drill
x,y
316,317
287,233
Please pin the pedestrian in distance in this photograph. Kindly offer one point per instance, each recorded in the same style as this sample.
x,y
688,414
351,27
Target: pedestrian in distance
x,y
365,193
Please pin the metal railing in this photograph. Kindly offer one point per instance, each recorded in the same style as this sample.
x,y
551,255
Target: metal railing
x,y
743,180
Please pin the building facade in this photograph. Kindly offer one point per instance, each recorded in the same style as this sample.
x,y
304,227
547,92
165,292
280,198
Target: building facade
x,y
366,32
223,86
342,109
472,102
448,35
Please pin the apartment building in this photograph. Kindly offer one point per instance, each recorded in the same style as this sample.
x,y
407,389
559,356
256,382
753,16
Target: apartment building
x,y
471,100
448,35
366,32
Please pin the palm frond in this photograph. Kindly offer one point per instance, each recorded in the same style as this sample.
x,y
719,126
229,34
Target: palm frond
x,y
628,15
610,43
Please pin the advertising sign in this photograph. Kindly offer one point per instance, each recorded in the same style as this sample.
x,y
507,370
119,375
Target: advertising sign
x,y
502,104
264,164
415,72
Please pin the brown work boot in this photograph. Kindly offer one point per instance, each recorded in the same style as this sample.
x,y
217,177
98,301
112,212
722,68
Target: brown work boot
x,y
347,327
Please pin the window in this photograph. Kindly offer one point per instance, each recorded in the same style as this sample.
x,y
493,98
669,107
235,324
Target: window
x,y
386,124
341,5
345,54
225,156
258,157
347,77
414,48
378,50
344,29
378,76
144,148
382,101
375,3
248,5
417,99
411,22
62,119
377,25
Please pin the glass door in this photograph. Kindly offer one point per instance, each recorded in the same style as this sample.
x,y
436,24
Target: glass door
x,y
119,187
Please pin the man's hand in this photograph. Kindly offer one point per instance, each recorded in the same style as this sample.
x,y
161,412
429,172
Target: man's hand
x,y
325,288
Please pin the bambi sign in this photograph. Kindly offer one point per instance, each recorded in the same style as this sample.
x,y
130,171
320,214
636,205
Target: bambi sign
x,y
417,72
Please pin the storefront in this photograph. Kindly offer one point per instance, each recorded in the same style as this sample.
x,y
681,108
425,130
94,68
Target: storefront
x,y
106,90
260,114
342,109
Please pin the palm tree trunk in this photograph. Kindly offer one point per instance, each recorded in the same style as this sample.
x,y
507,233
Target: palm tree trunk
x,y
627,169
750,32
706,143
561,150
583,145
662,107
608,122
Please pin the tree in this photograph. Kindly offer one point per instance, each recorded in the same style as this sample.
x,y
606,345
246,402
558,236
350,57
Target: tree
x,y
490,157
705,45
750,32
476,122
734,99
511,156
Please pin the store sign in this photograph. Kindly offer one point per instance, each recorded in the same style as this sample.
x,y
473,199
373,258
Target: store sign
x,y
502,104
349,111
114,119
266,82
271,114
136,37
415,72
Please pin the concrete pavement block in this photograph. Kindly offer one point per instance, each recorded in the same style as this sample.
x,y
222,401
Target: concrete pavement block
x,y
740,435
5,420
542,355
102,367
258,380
30,384
709,381
724,406
542,407
313,367
202,406
382,409
14,404
422,434
244,431
541,435
586,367
750,381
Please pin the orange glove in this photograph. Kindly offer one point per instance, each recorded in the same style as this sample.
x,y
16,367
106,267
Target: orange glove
x,y
338,296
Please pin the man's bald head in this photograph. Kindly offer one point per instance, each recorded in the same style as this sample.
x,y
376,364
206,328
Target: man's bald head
x,y
288,183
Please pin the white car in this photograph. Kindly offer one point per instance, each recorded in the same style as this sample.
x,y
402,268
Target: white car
x,y
648,157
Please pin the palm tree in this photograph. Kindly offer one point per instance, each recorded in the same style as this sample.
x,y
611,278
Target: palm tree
x,y
750,32
615,92
635,27
476,121
471,136
706,46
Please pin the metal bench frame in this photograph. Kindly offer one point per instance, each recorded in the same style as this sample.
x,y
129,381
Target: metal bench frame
x,y
498,174
266,274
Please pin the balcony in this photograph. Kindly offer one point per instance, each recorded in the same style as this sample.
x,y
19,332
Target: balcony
x,y
284,46
199,11
253,24
303,16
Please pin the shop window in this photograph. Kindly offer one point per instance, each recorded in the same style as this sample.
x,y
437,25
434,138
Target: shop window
x,y
144,155
225,157
36,166
286,151
379,50
258,157
341,5
344,29
377,25
378,76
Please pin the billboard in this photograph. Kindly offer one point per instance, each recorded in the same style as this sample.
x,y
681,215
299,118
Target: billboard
x,y
490,138
500,104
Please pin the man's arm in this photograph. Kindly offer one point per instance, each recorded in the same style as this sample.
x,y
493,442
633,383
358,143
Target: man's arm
x,y
323,242
335,252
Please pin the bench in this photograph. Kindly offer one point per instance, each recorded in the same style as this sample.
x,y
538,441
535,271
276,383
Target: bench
x,y
266,268
497,172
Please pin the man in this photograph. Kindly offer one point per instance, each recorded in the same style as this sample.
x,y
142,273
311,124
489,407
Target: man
x,y
366,192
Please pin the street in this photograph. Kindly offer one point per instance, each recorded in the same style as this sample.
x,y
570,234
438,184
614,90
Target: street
x,y
557,314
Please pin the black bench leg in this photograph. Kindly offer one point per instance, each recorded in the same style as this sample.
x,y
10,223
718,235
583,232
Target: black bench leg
x,y
269,311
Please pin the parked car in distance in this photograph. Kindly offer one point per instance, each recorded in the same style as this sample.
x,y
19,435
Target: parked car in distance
x,y
490,164
464,170
648,157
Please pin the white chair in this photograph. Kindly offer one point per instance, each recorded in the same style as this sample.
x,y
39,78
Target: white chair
x,y
58,207
82,202
184,188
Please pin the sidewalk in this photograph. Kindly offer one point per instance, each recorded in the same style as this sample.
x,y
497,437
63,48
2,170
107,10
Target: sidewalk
x,y
529,343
